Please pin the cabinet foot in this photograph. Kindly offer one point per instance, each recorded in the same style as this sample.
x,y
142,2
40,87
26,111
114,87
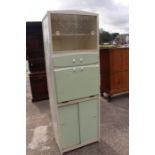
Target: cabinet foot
x,y
109,98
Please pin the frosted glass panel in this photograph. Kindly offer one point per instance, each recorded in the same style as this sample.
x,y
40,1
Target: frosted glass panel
x,y
73,32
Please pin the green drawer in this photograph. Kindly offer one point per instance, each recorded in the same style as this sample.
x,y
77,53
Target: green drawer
x,y
76,82
73,59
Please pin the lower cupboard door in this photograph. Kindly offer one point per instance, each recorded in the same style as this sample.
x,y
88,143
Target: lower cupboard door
x,y
69,125
88,120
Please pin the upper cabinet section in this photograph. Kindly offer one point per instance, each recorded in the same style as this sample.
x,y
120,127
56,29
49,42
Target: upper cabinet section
x,y
73,32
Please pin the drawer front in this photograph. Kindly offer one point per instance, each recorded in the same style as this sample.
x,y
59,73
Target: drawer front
x,y
69,125
105,82
116,61
75,59
73,83
117,81
88,114
125,60
126,80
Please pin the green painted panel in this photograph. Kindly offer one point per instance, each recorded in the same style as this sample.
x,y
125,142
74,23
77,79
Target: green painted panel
x,y
75,59
88,120
78,82
69,125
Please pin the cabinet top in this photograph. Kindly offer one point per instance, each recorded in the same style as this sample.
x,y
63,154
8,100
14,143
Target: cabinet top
x,y
72,12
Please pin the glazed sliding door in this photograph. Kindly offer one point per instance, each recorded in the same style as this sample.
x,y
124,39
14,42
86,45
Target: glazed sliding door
x,y
73,32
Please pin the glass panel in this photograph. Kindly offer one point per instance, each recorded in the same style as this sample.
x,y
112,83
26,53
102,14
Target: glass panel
x,y
73,32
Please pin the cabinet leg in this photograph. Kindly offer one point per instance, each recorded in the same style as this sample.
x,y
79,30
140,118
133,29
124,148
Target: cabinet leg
x,y
109,98
102,94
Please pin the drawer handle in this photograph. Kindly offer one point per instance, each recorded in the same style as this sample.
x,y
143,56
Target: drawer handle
x,y
81,59
82,68
73,60
74,69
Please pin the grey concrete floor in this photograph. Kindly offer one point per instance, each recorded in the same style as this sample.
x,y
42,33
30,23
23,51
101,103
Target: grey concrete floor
x,y
114,129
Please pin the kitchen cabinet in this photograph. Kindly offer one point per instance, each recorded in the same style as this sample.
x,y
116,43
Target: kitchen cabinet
x,y
114,68
71,48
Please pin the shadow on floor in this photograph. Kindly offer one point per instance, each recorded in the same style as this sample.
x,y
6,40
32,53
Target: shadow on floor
x,y
99,148
121,101
42,106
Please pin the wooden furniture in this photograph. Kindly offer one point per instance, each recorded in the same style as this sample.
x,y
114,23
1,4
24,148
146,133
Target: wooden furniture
x,y
36,62
34,40
38,84
114,68
72,65
36,65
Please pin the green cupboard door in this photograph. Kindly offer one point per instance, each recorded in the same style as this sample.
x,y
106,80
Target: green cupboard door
x,y
88,120
69,125
76,82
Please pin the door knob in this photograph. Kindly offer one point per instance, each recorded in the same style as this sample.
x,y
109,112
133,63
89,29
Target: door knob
x,y
81,59
74,69
82,68
73,60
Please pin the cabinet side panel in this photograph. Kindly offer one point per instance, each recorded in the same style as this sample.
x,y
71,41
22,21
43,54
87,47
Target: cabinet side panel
x,y
50,78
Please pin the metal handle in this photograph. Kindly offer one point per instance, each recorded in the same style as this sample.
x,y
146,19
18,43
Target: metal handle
x,y
82,68
73,60
74,69
81,59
